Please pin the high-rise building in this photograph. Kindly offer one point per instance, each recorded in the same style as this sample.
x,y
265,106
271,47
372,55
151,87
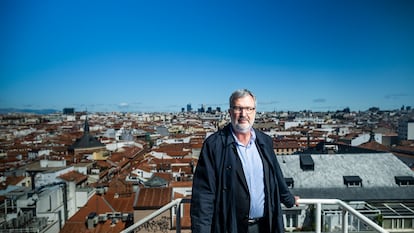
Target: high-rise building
x,y
68,111
189,109
406,130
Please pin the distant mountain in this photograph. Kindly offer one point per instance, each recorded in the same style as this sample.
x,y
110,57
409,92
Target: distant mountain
x,y
34,111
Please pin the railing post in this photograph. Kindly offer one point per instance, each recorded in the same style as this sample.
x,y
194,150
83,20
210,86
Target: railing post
x,y
178,218
318,214
344,221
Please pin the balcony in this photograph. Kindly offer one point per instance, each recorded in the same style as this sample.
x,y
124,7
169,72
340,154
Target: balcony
x,y
326,215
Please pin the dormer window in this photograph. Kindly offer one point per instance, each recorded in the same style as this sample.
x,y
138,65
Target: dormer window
x,y
404,180
306,163
289,182
352,181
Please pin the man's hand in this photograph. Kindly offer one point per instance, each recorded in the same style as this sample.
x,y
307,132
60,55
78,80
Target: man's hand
x,y
296,200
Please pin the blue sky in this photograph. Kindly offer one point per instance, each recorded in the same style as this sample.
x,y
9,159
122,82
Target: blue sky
x,y
161,55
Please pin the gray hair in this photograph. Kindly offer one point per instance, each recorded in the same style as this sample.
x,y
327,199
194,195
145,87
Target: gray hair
x,y
239,94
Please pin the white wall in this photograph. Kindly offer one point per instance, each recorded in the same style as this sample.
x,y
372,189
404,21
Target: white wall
x,y
364,138
410,131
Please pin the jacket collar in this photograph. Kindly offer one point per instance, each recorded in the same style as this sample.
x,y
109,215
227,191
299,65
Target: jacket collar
x,y
226,133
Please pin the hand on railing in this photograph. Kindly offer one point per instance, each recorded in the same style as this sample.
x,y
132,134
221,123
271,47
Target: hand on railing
x,y
297,200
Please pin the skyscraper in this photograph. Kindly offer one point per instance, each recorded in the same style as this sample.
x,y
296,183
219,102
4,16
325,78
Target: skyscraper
x,y
189,109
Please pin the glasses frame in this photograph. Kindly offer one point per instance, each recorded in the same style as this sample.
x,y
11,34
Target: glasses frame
x,y
239,109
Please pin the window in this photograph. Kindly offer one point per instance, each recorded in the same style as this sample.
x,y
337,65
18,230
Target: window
x,y
352,181
408,223
306,163
404,180
387,223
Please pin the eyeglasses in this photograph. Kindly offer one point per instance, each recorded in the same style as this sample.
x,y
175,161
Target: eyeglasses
x,y
239,109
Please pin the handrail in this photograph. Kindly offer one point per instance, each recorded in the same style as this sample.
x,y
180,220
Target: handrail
x,y
152,215
318,202
346,207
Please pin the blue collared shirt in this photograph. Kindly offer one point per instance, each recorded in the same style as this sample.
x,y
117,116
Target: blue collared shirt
x,y
253,171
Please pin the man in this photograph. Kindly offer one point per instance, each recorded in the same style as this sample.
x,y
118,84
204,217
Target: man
x,y
238,186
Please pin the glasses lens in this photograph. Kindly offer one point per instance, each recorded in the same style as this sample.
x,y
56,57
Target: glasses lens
x,y
239,109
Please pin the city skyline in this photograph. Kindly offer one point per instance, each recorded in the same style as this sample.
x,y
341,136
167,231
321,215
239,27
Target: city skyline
x,y
146,56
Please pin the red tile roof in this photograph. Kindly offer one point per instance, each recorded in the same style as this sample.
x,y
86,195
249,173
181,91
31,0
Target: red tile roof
x,y
374,146
80,227
95,204
183,184
14,180
153,198
74,176
100,204
285,144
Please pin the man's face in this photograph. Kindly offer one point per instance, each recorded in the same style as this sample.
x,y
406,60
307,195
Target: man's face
x,y
242,114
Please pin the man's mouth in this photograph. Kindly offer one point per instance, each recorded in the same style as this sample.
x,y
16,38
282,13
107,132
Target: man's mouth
x,y
243,120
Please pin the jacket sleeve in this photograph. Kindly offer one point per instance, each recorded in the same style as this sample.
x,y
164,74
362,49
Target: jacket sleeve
x,y
285,195
203,192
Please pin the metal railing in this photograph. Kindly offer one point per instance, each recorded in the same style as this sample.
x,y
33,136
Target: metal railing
x,y
346,209
175,203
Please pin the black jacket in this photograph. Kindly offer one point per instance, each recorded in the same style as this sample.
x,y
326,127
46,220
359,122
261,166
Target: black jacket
x,y
220,198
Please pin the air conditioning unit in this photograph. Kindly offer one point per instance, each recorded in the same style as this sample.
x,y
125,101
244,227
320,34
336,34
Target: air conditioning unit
x,y
125,217
117,215
102,218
